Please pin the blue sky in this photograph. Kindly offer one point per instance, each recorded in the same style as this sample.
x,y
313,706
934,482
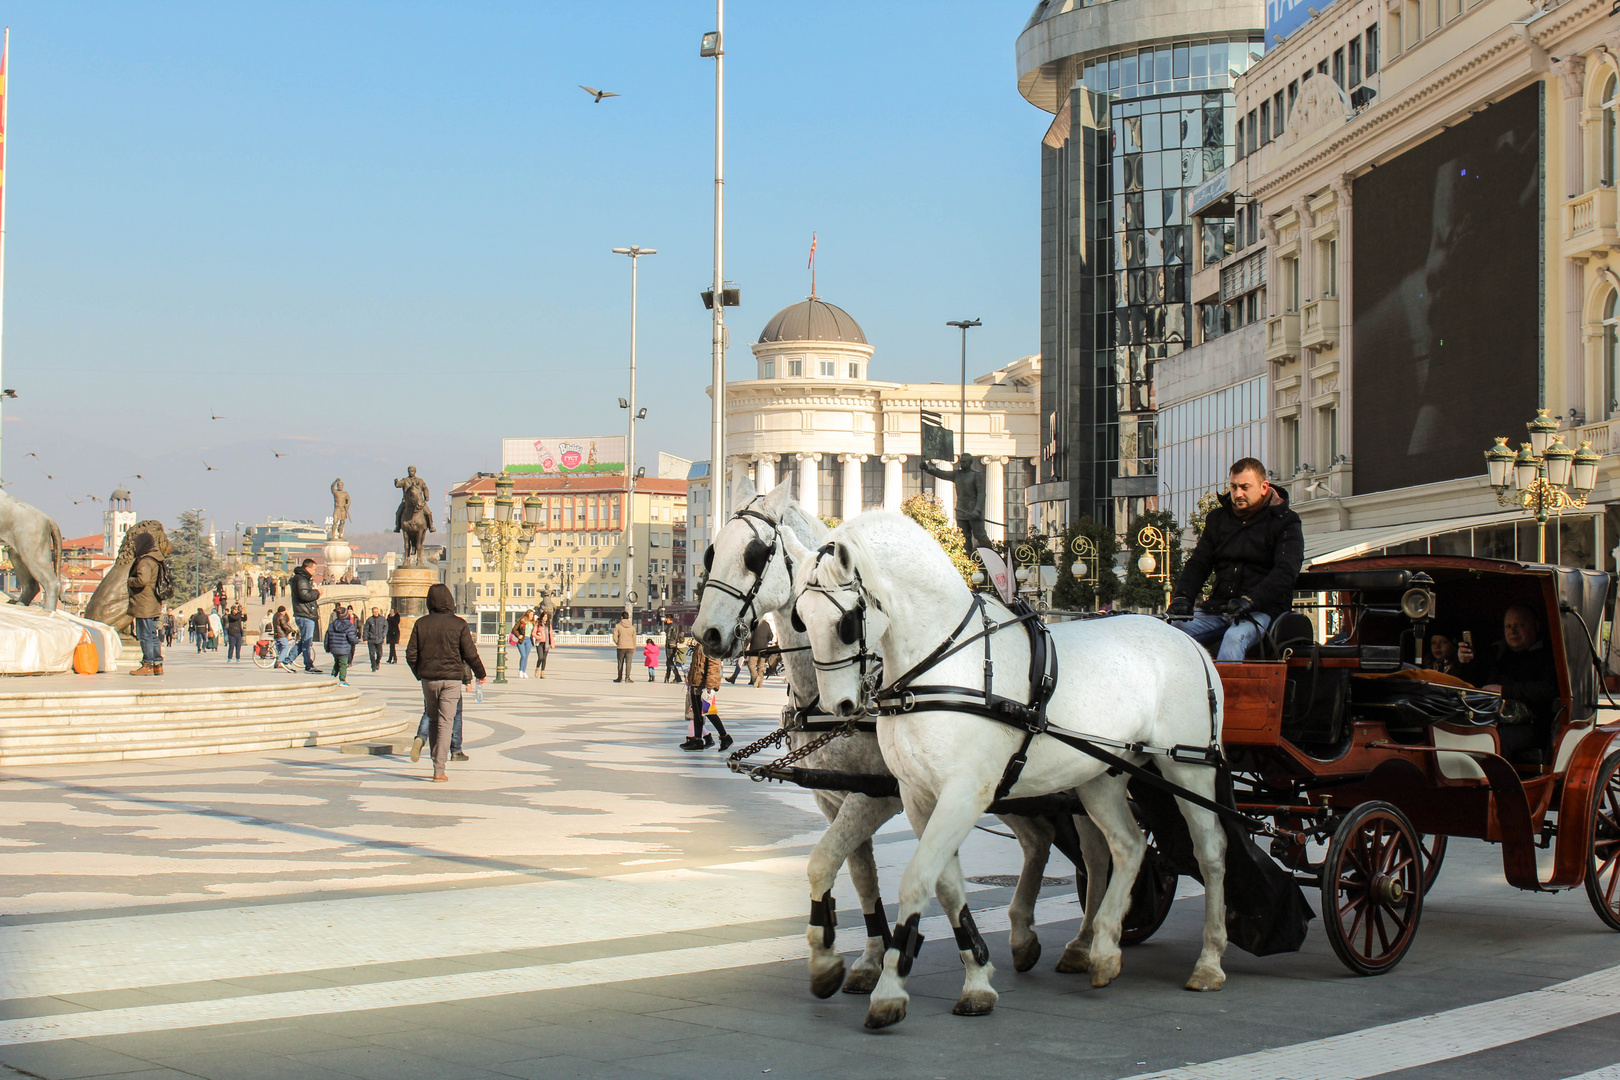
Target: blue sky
x,y
377,234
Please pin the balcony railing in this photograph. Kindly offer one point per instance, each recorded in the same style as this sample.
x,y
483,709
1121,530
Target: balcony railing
x,y
1590,227
1282,337
1319,323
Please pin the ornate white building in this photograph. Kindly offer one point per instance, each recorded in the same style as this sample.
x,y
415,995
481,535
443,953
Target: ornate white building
x,y
812,417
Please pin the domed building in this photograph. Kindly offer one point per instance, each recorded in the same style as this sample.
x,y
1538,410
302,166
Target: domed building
x,y
813,418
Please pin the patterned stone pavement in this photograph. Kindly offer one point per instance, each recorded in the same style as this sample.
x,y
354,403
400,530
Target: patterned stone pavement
x,y
583,899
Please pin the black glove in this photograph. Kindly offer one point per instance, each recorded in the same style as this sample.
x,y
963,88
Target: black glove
x,y
1239,606
1181,607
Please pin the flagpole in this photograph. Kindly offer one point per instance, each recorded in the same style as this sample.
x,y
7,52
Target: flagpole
x,y
5,115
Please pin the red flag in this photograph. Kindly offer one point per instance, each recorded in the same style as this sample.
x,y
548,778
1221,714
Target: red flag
x,y
811,265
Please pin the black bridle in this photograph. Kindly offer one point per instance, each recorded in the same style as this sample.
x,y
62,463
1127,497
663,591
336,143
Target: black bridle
x,y
757,558
851,631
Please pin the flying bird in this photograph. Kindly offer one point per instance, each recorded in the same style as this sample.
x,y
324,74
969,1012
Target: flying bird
x,y
93,498
214,416
8,392
598,94
278,453
32,455
209,467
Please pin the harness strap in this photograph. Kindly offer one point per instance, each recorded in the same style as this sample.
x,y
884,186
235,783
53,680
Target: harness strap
x,y
877,925
1154,780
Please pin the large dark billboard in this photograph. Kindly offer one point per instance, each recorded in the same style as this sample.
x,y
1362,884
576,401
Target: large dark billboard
x,y
1446,258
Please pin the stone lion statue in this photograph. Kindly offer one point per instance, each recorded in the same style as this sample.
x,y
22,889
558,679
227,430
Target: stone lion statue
x,y
110,603
35,544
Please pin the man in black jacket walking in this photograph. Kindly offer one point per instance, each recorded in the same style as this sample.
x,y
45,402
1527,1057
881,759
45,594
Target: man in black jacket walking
x,y
306,599
1254,544
393,637
376,634
439,645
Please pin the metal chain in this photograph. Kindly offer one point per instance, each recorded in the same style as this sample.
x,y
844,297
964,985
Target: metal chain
x,y
760,773
774,738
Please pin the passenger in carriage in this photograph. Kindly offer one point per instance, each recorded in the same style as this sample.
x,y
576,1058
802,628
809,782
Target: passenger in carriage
x,y
1442,657
1519,667
1253,544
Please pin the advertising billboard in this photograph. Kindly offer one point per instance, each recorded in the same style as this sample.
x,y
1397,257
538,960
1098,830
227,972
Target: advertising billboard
x,y
1447,304
1283,17
582,456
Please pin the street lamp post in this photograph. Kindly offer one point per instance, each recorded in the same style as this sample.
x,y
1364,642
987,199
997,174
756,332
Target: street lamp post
x,y
964,325
714,48
635,253
1155,543
1545,477
1086,563
506,540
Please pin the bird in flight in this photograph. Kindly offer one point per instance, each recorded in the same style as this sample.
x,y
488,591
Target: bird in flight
x,y
93,498
209,467
215,416
8,392
598,94
32,455
278,453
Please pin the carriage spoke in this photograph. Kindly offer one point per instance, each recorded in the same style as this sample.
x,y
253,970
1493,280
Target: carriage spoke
x,y
1608,892
1383,934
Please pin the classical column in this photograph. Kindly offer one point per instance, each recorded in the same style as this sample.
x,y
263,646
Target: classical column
x,y
809,498
852,484
739,470
894,486
764,474
995,498
945,492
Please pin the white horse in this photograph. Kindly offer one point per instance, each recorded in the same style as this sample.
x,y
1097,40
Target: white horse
x,y
883,584
749,579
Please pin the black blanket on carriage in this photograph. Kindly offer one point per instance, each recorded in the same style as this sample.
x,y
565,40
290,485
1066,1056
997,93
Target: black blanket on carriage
x,y
1266,911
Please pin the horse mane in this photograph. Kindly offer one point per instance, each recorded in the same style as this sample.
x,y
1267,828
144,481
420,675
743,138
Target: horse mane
x,y
809,528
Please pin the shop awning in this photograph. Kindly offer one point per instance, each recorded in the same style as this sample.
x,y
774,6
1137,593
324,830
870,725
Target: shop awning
x,y
1348,543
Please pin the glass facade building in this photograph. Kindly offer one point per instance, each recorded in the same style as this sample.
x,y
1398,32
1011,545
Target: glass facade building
x,y
1201,437
1138,130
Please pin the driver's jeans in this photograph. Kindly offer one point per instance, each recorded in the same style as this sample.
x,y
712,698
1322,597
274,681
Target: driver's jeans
x,y
1235,637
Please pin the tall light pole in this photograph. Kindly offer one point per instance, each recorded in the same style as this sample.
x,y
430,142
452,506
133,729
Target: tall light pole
x,y
964,325
635,252
714,47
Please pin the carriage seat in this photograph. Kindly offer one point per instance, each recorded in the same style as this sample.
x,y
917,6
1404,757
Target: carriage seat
x,y
1293,632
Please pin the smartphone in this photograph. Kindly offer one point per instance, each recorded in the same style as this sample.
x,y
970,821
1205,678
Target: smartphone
x,y
1468,638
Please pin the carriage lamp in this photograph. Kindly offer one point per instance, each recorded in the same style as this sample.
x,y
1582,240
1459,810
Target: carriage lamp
x,y
505,541
1155,545
1547,477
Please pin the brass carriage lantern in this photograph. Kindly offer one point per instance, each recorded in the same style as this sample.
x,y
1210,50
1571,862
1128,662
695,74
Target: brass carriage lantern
x,y
1155,545
1547,477
504,541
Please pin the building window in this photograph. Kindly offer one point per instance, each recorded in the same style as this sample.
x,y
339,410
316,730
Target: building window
x,y
1287,445
854,371
1611,109
1293,95
1240,139
1327,437
615,569
1338,67
1265,122
1276,114
1254,134
827,368
1289,269
1372,50
1330,267
770,369
795,368
1611,354
1355,62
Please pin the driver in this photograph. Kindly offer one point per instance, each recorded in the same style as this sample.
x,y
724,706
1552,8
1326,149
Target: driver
x,y
1520,668
1254,544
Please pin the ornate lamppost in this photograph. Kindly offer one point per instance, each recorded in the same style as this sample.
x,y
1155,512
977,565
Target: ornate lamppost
x,y
1087,563
1545,477
1155,545
1027,564
506,541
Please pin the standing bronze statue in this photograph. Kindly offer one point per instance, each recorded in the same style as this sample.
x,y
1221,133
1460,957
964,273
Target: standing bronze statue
x,y
414,518
969,486
340,508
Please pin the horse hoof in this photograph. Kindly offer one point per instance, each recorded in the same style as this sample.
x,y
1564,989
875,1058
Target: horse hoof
x,y
862,982
1025,956
1205,979
880,1014
825,983
1073,962
975,1003
1106,970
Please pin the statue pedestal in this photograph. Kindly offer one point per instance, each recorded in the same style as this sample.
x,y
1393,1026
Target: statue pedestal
x,y
337,553
407,589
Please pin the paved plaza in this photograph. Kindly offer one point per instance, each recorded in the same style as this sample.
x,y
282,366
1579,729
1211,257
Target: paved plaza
x,y
585,900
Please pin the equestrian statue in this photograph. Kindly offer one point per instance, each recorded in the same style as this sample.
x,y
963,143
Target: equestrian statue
x,y
414,517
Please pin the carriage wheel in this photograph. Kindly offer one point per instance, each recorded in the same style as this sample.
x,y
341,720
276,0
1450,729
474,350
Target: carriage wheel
x,y
1603,860
1372,888
1434,853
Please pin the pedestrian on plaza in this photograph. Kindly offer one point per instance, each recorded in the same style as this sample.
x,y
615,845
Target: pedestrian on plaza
x,y
282,629
216,630
624,639
393,637
424,726
235,626
306,600
674,652
542,642
649,654
146,574
758,645
219,594
703,692
198,625
440,644
522,637
376,635
341,639
168,625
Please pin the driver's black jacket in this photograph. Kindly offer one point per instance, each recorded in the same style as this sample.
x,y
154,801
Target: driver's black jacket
x,y
1258,556
304,595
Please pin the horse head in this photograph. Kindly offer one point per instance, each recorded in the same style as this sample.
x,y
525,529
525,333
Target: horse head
x,y
840,608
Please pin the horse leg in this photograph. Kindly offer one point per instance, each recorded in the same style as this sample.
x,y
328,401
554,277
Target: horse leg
x,y
1105,803
854,819
942,822
1094,852
1035,836
978,996
1209,847
863,975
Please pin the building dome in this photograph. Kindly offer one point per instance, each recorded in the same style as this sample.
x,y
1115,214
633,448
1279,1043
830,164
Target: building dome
x,y
812,320
121,493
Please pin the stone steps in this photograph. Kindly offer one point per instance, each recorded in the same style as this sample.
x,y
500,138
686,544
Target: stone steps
x,y
115,725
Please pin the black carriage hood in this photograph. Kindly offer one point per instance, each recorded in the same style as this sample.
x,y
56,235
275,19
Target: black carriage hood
x,y
1586,592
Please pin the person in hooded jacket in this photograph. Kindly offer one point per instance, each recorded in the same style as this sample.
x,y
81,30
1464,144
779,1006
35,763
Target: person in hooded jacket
x,y
440,643
144,605
341,638
1253,544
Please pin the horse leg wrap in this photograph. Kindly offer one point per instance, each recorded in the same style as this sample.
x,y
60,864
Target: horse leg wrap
x,y
968,939
824,913
908,939
877,925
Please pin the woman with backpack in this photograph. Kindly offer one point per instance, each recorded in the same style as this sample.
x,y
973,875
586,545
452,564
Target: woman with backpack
x,y
148,578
